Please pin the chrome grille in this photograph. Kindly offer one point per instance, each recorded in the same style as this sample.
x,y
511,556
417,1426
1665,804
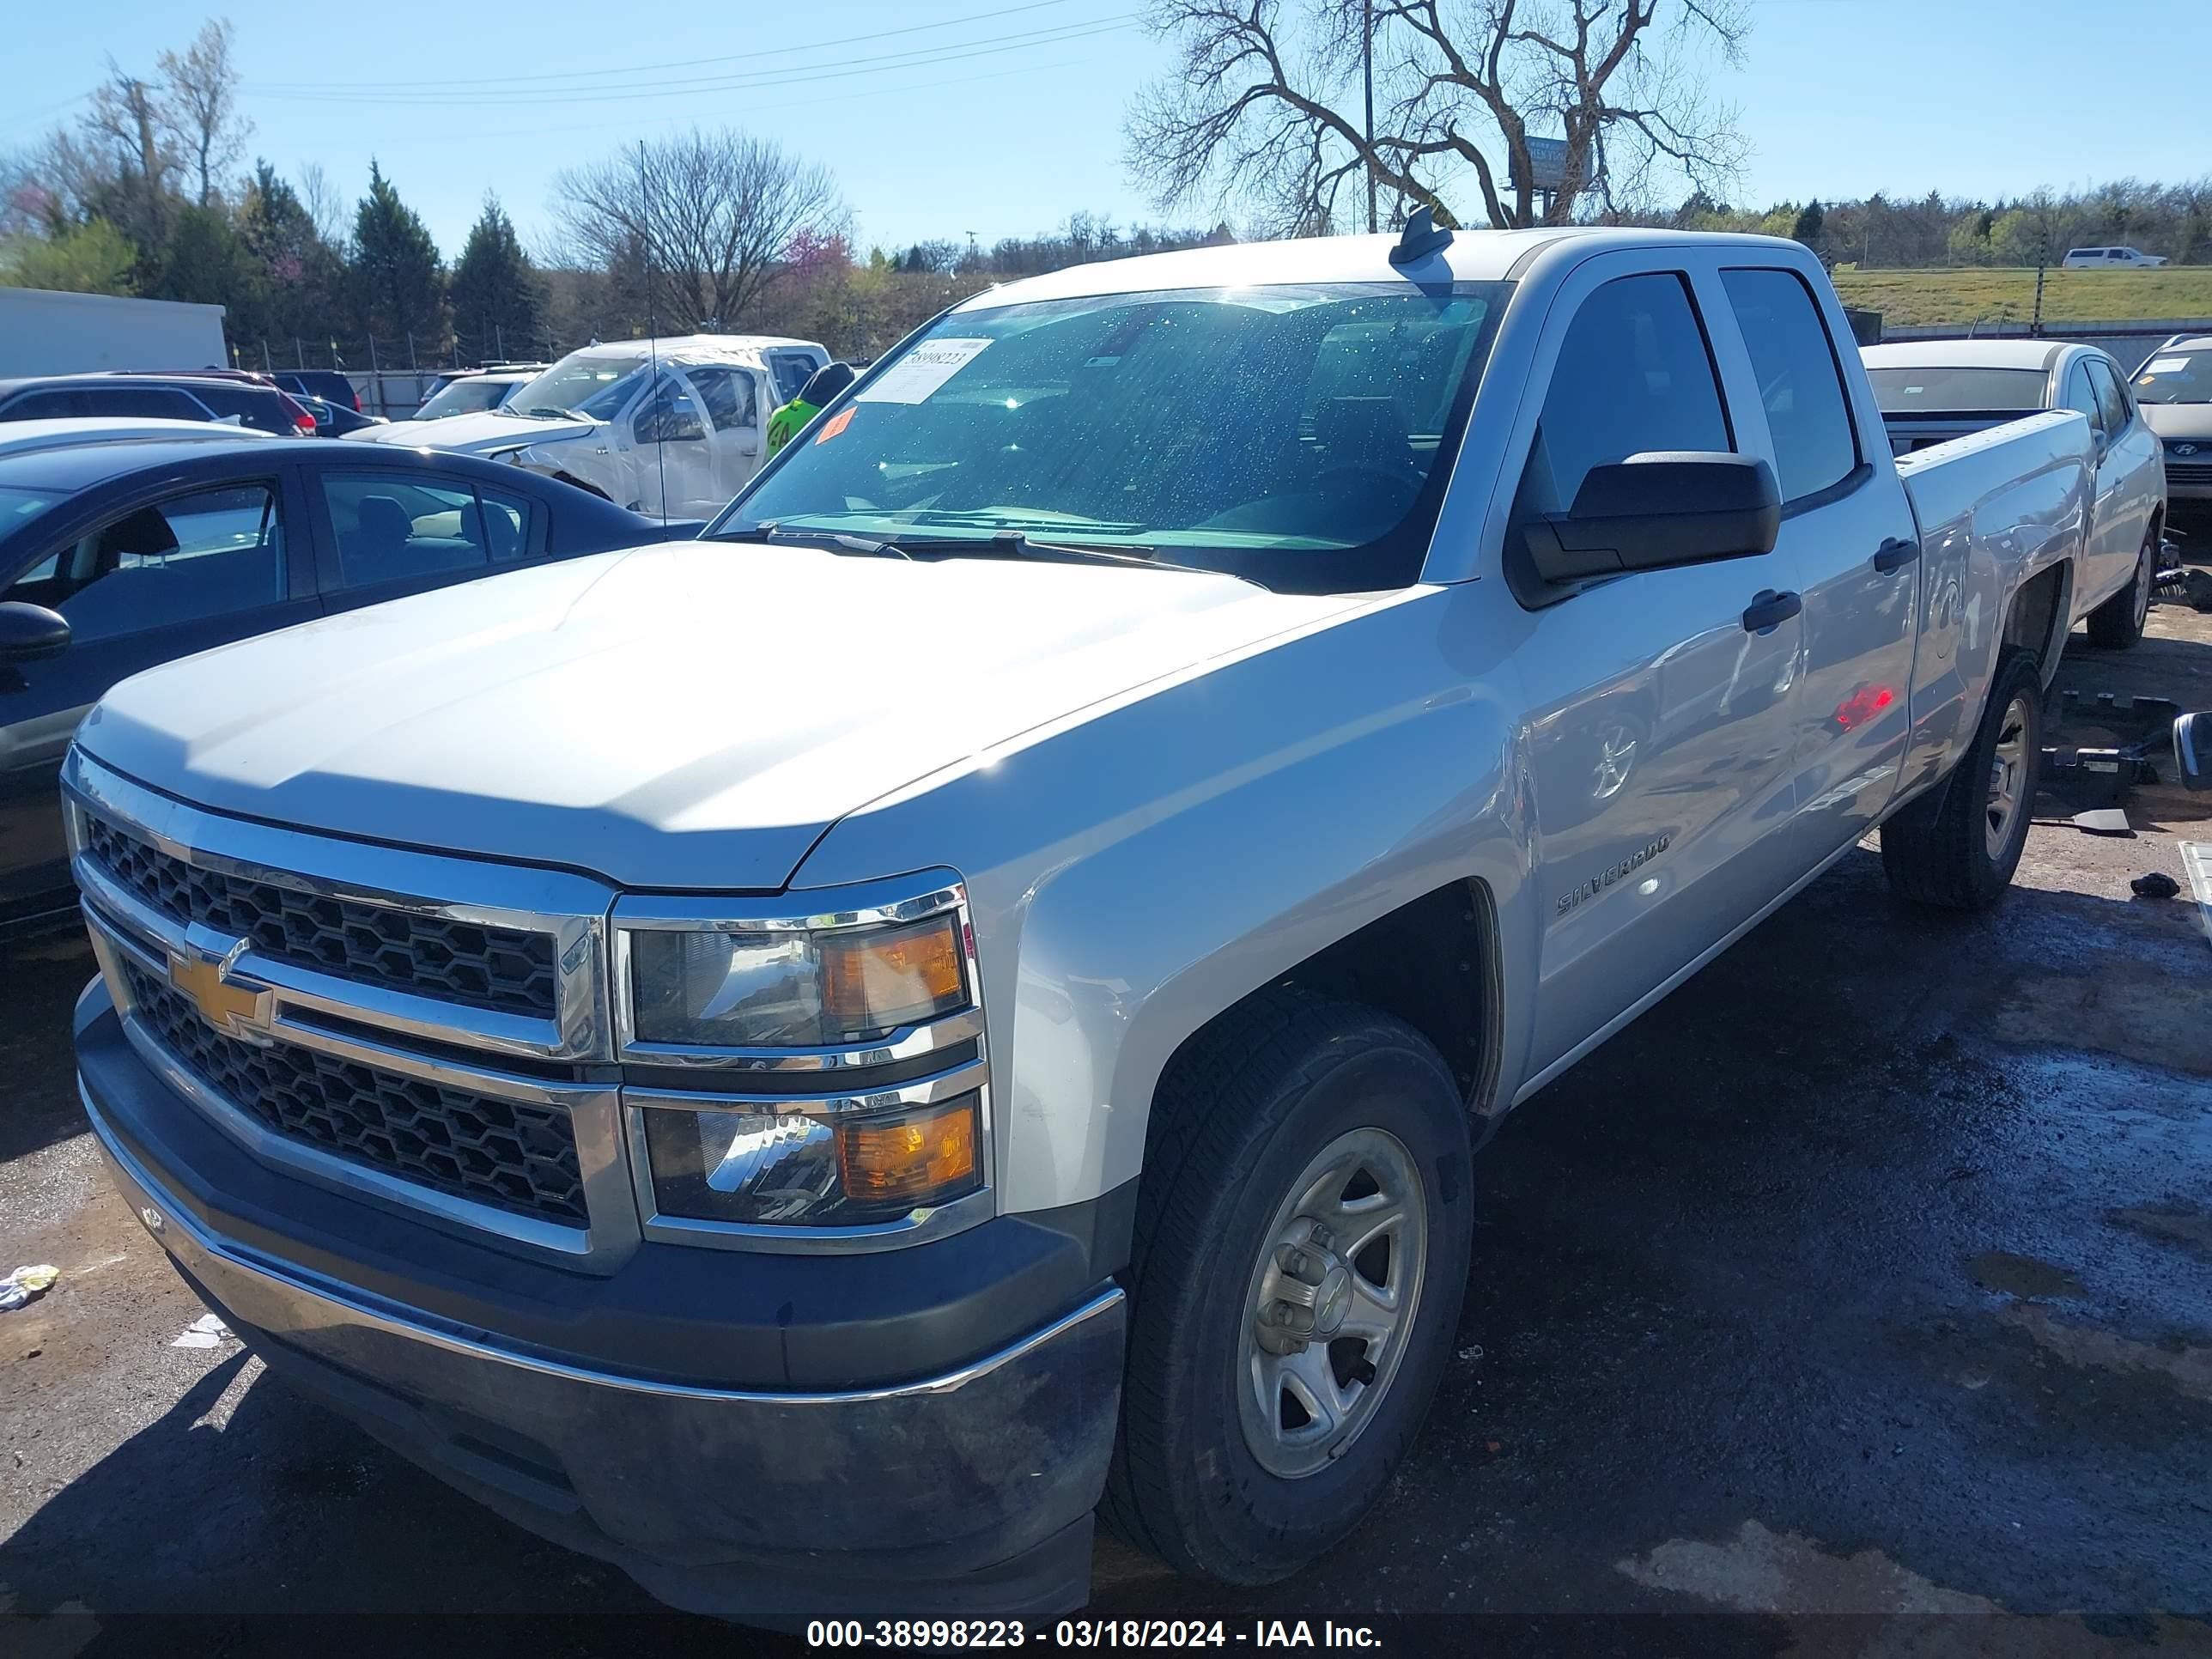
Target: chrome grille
x,y
507,1153
507,969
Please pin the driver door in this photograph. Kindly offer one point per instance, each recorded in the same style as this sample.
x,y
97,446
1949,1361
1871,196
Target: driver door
x,y
735,412
674,464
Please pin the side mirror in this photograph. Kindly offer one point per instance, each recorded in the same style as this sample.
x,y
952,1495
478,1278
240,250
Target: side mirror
x,y
1661,509
28,632
2192,749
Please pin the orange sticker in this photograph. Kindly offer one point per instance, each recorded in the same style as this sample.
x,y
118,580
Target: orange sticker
x,y
838,422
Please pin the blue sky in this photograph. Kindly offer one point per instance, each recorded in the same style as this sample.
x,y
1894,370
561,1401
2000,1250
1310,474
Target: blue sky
x,y
1003,124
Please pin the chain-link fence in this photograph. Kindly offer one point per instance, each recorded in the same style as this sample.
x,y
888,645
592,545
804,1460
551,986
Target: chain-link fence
x,y
393,376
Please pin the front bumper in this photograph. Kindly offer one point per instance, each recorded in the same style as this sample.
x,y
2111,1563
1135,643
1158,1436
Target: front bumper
x,y
969,1491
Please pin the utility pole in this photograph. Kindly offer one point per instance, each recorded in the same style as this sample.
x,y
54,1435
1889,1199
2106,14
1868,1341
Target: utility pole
x,y
1367,73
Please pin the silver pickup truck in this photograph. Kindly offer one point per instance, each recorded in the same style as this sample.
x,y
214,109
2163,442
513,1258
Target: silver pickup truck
x,y
812,1063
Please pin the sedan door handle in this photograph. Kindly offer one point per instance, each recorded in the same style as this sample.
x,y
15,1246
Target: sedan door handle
x,y
1894,554
1770,610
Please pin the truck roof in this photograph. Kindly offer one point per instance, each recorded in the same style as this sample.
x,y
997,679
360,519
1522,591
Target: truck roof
x,y
1472,256
1963,354
700,348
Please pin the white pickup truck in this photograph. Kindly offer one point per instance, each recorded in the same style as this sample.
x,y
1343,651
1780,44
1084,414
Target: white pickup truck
x,y
800,1062
670,427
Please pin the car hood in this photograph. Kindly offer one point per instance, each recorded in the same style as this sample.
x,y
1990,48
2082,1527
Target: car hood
x,y
485,433
2179,420
689,715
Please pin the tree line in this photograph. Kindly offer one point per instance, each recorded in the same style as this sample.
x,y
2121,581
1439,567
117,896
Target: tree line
x,y
147,192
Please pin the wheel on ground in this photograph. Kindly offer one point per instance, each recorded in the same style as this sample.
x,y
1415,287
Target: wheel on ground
x,y
1957,847
2119,622
1300,1256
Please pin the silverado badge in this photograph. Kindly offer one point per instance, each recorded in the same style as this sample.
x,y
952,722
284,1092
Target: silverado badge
x,y
1606,877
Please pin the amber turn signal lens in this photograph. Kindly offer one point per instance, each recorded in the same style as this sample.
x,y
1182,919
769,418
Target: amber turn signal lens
x,y
914,1159
874,979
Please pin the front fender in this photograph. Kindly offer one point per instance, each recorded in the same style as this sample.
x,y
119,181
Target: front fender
x,y
1138,869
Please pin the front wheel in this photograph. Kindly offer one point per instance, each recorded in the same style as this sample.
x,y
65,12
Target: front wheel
x,y
1957,847
1301,1253
2119,622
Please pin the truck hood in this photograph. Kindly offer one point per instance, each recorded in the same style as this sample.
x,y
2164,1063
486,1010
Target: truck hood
x,y
688,716
485,433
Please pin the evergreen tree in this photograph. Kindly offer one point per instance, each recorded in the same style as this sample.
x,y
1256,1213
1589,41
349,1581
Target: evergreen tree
x,y
499,300
399,288
204,261
1807,228
301,276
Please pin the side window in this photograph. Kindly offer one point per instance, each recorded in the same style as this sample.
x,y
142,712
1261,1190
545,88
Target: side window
x,y
395,528
2081,395
148,403
1633,374
507,525
211,553
1799,381
2112,402
669,416
46,406
728,395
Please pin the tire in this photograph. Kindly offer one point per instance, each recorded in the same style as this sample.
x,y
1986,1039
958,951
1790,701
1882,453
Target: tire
x,y
1946,849
1286,1084
2119,622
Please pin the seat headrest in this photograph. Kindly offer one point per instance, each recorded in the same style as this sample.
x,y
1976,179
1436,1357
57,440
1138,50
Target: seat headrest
x,y
384,519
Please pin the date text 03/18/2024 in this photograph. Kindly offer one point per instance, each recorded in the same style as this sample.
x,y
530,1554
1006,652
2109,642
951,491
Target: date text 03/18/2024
x,y
828,1633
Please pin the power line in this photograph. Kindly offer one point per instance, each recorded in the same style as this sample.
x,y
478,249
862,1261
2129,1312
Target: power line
x,y
483,81
988,47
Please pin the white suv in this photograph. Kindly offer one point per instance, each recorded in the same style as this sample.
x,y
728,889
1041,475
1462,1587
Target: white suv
x,y
2111,258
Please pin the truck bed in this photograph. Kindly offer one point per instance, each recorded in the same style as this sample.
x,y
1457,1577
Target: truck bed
x,y
1910,433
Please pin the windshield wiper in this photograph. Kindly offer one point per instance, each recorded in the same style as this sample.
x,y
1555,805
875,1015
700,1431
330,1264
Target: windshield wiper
x,y
1020,544
836,541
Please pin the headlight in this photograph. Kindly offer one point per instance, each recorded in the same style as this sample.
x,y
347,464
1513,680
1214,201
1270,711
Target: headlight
x,y
755,1165
761,990
869,1122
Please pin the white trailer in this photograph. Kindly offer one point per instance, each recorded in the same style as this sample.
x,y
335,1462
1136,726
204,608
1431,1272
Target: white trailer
x,y
44,332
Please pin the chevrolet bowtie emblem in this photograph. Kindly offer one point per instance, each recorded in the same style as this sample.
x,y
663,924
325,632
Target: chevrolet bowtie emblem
x,y
233,1008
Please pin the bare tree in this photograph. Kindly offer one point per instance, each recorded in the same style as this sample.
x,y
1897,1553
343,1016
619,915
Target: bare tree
x,y
199,87
706,216
327,210
122,162
1264,104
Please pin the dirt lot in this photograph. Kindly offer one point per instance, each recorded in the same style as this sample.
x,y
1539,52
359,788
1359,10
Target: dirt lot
x,y
1869,1273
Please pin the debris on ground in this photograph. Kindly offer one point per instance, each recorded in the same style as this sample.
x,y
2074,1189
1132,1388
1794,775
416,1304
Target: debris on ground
x,y
2156,884
2103,821
25,1284
205,1331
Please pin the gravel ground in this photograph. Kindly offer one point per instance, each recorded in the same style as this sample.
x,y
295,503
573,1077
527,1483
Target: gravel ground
x,y
1871,1272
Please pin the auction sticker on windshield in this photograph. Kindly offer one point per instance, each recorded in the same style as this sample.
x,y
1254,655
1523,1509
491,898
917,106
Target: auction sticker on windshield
x,y
921,372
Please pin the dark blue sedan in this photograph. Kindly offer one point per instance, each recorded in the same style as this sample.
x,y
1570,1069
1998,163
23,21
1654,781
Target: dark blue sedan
x,y
116,556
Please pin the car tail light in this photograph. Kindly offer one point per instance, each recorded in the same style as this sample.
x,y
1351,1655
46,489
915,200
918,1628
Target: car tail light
x,y
301,421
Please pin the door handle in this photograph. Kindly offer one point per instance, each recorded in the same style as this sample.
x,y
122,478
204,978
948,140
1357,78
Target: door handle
x,y
1770,610
1894,554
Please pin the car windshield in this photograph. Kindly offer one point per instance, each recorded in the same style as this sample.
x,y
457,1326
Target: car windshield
x,y
467,397
2176,377
1916,391
1299,436
579,383
20,506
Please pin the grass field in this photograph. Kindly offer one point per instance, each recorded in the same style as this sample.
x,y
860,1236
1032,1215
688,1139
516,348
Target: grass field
x,y
2002,295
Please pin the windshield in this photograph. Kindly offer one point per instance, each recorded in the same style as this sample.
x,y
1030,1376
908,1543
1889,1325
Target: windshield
x,y
468,397
2176,377
1917,390
20,506
1297,435
579,384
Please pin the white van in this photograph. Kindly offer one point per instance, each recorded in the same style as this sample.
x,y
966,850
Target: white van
x,y
670,427
2111,258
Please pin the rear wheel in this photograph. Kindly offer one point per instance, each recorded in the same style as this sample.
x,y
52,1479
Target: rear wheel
x,y
1957,847
2119,622
1301,1253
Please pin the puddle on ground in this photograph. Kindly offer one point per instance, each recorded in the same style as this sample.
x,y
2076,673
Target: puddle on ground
x,y
2022,1275
2173,1226
1899,1614
2189,1368
2137,1009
